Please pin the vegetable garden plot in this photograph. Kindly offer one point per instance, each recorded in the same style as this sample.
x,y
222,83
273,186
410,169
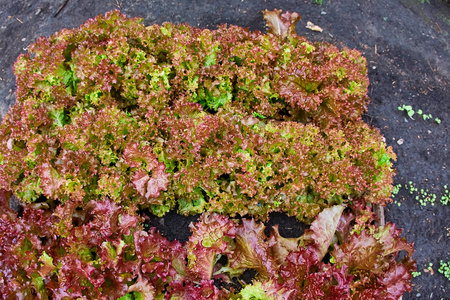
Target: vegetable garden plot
x,y
113,117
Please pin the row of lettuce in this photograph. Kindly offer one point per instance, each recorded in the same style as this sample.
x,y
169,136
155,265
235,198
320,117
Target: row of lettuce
x,y
217,163
109,255
226,121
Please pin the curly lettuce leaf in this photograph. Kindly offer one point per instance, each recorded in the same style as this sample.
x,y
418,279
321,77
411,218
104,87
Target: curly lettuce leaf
x,y
281,25
252,251
265,290
142,289
151,186
372,256
322,230
211,237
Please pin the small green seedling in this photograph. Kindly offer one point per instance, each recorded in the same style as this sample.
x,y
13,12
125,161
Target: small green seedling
x,y
396,189
445,269
429,269
409,110
424,116
416,274
397,203
423,196
445,198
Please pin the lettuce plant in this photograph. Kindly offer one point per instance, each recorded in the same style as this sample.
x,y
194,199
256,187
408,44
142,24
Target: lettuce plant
x,y
227,121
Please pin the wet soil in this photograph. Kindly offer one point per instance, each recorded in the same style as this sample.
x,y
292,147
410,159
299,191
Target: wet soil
x,y
406,44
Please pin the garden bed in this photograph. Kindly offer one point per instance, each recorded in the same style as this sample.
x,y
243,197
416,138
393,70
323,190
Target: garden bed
x,y
405,68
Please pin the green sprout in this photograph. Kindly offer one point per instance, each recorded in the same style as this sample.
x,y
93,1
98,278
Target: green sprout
x,y
423,196
445,198
424,116
396,189
416,274
410,111
445,269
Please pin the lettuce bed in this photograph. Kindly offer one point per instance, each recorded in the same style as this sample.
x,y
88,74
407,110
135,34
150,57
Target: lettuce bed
x,y
114,116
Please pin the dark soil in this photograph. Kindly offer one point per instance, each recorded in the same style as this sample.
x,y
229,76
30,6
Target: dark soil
x,y
406,44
